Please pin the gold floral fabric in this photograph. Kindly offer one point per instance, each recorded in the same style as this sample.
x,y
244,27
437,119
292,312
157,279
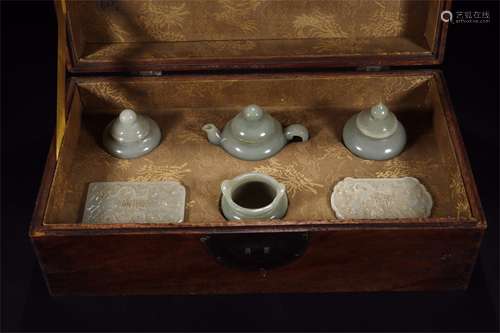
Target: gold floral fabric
x,y
114,30
309,170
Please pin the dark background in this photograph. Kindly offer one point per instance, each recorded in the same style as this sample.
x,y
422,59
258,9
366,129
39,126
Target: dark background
x,y
28,79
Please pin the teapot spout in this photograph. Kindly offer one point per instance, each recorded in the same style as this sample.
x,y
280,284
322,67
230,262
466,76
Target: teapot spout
x,y
213,134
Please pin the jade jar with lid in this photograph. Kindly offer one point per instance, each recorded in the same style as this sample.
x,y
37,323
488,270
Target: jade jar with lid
x,y
374,134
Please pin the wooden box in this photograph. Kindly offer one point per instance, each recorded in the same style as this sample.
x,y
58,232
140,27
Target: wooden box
x,y
114,42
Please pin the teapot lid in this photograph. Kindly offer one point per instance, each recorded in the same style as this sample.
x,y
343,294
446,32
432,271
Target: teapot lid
x,y
378,122
253,125
129,127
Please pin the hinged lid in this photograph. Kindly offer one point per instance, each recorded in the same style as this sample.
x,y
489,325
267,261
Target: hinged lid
x,y
118,35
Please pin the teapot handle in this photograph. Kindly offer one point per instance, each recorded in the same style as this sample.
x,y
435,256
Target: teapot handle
x,y
296,130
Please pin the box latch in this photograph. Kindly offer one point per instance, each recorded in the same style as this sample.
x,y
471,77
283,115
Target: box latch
x,y
256,251
147,73
372,68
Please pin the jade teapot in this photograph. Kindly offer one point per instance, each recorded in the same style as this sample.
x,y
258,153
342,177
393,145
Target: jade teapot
x,y
254,135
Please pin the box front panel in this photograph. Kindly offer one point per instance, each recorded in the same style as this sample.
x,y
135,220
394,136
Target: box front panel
x,y
339,260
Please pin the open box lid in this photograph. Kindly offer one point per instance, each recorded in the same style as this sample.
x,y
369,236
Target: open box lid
x,y
121,36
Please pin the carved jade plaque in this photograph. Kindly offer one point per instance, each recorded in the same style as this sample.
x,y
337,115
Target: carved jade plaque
x,y
135,202
381,198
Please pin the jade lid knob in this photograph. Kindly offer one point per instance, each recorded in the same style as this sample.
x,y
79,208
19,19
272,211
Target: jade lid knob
x,y
378,122
253,125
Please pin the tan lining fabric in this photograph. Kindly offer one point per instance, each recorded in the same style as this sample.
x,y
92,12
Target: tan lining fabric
x,y
154,30
309,170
